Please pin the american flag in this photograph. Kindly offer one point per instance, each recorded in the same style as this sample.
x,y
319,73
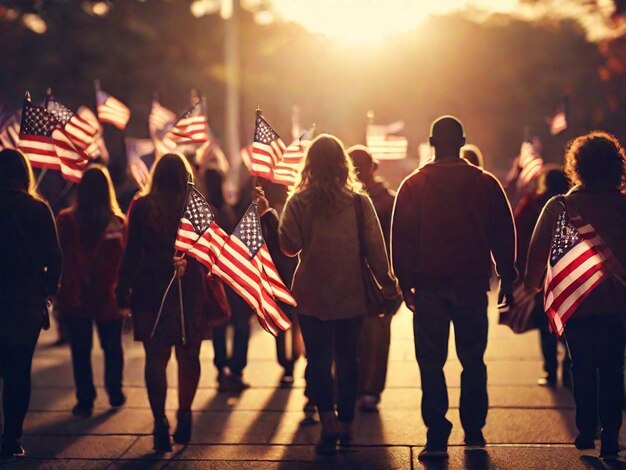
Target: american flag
x,y
160,117
72,160
384,144
10,131
577,265
97,148
36,136
267,149
558,122
246,266
135,149
81,132
530,162
286,171
198,233
246,156
111,110
192,127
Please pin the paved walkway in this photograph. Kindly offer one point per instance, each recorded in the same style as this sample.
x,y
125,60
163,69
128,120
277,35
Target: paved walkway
x,y
528,426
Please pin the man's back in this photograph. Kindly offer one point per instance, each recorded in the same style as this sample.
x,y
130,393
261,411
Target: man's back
x,y
448,218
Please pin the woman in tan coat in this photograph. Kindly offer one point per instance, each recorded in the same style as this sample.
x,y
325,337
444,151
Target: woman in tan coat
x,y
319,223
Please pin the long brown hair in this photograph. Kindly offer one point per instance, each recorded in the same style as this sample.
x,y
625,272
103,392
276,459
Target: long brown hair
x,y
327,172
166,191
16,174
95,203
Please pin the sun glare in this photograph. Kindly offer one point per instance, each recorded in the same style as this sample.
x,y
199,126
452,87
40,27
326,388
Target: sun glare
x,y
370,21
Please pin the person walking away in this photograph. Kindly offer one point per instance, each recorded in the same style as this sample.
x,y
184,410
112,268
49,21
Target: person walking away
x,y
146,270
551,182
319,224
92,234
449,218
229,367
596,165
30,267
376,332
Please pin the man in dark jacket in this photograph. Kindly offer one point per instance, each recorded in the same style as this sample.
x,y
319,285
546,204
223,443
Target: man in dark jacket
x,y
376,332
449,218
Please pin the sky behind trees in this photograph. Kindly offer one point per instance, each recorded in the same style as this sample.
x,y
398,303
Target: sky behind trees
x,y
499,74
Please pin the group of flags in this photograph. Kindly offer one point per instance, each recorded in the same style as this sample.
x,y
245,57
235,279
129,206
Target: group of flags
x,y
55,138
268,157
242,259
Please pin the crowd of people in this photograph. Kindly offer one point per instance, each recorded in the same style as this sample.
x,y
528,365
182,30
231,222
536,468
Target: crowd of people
x,y
434,245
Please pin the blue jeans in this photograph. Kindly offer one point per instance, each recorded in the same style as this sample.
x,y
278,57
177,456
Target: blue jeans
x,y
434,311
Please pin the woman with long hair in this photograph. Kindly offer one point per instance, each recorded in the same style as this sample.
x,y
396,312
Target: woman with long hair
x,y
147,269
30,266
320,225
593,313
92,234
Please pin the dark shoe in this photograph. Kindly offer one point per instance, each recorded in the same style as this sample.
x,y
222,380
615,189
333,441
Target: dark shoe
x,y
83,410
182,435
238,382
161,436
286,380
327,445
345,436
309,414
231,383
475,440
368,404
12,448
547,381
583,442
567,383
117,399
429,453
609,450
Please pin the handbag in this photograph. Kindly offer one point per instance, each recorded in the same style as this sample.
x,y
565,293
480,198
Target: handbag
x,y
377,304
217,308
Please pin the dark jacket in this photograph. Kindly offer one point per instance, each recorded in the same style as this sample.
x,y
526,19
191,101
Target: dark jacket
x,y
449,218
146,270
90,272
285,265
606,212
30,265
382,197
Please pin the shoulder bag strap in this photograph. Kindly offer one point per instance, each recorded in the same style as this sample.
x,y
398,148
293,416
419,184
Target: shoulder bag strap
x,y
358,209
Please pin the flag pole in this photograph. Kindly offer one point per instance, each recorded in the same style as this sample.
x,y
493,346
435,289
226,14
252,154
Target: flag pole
x,y
255,178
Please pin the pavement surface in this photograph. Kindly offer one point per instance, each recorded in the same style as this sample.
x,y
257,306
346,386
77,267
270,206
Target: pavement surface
x,y
528,427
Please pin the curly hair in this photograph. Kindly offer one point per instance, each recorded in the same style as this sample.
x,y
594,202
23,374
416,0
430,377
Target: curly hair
x,y
327,171
596,160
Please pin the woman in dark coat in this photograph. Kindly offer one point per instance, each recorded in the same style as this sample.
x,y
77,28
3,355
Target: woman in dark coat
x,y
92,235
30,266
147,268
596,165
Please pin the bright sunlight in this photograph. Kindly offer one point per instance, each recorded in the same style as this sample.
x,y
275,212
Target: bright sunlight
x,y
370,21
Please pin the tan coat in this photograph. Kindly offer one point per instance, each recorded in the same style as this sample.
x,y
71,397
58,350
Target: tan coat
x,y
328,283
